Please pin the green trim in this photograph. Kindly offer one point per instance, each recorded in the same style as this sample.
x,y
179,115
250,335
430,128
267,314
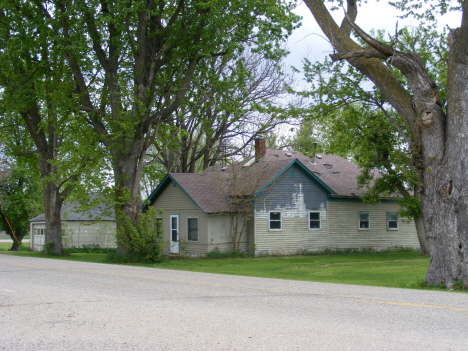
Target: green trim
x,y
357,199
306,171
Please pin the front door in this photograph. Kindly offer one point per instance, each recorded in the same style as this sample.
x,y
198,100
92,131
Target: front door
x,y
175,234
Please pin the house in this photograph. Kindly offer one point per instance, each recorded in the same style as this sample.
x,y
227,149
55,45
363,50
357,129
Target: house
x,y
95,226
290,203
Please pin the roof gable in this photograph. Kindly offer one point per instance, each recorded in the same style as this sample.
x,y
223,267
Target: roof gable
x,y
211,190
315,179
201,189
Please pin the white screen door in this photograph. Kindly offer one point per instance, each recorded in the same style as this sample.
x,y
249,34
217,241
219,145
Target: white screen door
x,y
174,233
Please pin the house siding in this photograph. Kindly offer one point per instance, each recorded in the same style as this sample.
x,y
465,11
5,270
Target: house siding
x,y
173,201
78,233
220,234
250,234
344,231
293,194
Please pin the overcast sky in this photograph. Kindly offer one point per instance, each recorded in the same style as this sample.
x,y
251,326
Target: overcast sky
x,y
308,41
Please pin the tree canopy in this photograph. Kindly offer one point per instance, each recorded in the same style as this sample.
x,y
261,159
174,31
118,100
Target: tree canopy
x,y
437,129
124,66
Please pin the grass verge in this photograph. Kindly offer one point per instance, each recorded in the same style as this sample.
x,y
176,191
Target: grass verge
x,y
5,246
390,269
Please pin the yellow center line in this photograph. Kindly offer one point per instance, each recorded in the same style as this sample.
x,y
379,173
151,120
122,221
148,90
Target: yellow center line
x,y
412,304
409,304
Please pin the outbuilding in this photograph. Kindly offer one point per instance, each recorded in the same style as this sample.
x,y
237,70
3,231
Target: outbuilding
x,y
95,226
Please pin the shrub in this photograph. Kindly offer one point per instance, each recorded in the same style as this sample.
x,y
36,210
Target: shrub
x,y
93,248
142,241
48,248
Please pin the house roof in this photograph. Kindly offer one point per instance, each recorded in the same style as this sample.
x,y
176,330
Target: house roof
x,y
338,173
70,212
211,190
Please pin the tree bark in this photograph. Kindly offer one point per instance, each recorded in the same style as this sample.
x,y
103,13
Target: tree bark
x,y
441,147
447,202
47,149
421,233
52,207
17,237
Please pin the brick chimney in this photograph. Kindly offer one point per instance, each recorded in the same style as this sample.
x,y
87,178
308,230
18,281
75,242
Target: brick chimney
x,y
260,149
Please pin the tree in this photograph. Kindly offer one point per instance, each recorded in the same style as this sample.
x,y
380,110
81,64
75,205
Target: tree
x,y
438,134
226,110
238,182
20,196
36,96
133,62
354,120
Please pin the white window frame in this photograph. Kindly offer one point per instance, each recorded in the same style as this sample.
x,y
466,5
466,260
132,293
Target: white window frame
x,y
388,220
359,220
319,220
275,220
198,230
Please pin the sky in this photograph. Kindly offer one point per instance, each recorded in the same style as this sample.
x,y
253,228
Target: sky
x,y
308,40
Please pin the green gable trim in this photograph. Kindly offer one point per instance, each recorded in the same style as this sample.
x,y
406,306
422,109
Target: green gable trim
x,y
357,199
307,173
163,185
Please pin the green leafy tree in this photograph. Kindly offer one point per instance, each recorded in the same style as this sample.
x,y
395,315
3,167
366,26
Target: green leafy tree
x,y
20,196
437,129
133,63
354,120
229,105
37,96
143,240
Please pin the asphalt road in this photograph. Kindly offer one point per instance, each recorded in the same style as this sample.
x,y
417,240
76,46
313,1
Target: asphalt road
x,y
57,305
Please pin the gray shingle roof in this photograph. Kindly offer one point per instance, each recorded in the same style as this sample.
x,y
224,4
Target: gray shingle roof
x,y
336,172
211,190
69,212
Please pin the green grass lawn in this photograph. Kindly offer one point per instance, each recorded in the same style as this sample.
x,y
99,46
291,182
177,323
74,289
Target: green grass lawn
x,y
5,246
395,269
386,269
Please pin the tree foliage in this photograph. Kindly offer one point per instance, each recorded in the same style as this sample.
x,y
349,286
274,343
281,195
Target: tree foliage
x,y
37,97
436,128
133,63
225,110
20,196
144,239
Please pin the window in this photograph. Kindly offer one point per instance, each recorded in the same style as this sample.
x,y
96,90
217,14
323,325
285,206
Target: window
x,y
392,221
314,220
275,220
192,229
364,222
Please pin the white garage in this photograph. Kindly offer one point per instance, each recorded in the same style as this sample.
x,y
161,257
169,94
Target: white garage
x,y
93,227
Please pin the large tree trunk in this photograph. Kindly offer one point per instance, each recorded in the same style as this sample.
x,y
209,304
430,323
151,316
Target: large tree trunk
x,y
52,208
421,233
16,244
447,202
418,221
441,141
46,145
128,167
